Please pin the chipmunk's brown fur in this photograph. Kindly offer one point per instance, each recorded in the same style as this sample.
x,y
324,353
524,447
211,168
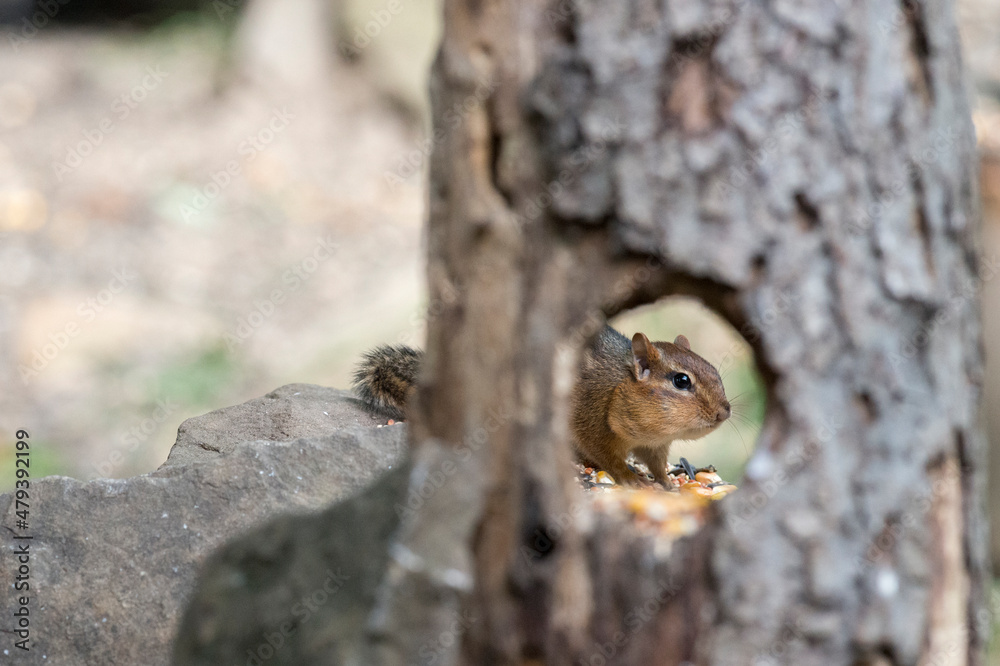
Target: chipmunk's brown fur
x,y
626,401
631,397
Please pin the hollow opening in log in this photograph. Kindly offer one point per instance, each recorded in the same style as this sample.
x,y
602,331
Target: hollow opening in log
x,y
728,447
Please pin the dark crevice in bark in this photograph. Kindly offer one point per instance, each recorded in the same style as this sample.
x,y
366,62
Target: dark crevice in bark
x,y
979,626
919,50
496,147
561,19
692,47
920,222
924,231
887,653
758,267
865,402
841,320
692,85
840,42
532,575
808,215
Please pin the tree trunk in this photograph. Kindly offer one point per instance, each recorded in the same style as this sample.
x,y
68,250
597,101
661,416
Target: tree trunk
x,y
990,180
807,170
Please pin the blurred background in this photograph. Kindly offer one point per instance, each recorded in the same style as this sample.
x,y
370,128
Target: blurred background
x,y
201,201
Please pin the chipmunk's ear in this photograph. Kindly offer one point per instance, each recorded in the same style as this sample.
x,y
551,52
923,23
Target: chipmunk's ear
x,y
682,342
644,354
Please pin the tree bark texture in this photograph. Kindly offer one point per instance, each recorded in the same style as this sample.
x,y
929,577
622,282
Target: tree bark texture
x,y
805,168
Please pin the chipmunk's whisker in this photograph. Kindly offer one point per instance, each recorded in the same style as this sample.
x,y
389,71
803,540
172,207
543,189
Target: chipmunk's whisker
x,y
743,441
746,421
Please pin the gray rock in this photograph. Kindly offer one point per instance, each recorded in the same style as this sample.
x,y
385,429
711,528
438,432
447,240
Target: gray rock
x,y
313,590
290,412
297,590
113,562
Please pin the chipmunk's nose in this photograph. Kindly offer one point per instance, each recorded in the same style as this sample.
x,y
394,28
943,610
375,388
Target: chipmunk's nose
x,y
724,412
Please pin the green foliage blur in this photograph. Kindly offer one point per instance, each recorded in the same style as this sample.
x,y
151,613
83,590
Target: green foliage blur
x,y
185,386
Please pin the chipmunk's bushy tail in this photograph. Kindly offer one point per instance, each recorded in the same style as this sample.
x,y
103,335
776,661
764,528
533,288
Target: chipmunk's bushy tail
x,y
385,377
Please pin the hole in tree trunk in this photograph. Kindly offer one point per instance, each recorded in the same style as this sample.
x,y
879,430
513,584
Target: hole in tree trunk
x,y
729,446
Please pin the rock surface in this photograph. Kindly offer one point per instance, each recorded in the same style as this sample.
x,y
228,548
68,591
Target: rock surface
x,y
312,590
297,590
287,413
114,561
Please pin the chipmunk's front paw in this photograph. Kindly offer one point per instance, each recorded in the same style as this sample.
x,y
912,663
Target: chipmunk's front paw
x,y
632,479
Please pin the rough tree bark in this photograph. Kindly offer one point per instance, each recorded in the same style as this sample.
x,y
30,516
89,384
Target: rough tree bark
x,y
806,168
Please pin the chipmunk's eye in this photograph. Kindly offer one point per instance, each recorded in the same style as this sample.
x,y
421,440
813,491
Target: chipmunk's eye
x,y
682,381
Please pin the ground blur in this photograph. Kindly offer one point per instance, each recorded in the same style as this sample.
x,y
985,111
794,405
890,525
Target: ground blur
x,y
178,236
142,283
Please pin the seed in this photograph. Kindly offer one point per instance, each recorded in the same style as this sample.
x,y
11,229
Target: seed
x,y
604,477
708,477
718,492
695,488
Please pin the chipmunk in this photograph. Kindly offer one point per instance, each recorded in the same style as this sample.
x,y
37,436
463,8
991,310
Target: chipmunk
x,y
631,397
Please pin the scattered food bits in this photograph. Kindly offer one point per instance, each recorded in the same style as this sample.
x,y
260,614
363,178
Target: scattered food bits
x,y
637,502
665,514
668,510
708,477
695,488
718,492
393,422
605,478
